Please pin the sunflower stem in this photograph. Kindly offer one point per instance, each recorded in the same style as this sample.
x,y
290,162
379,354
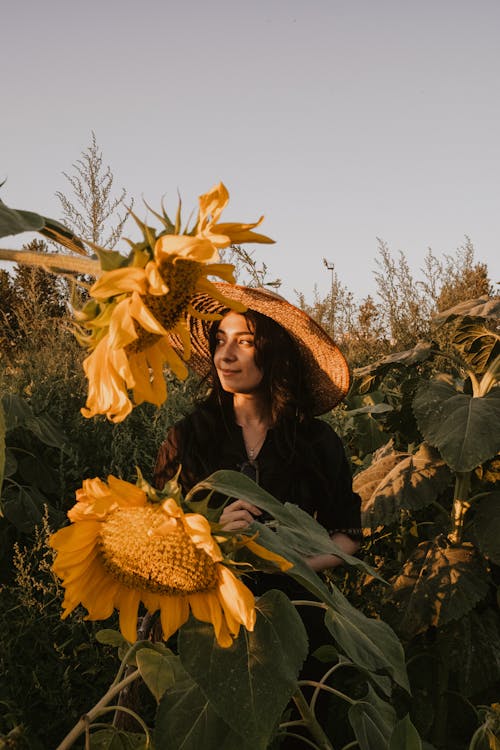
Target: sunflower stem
x,y
310,721
80,726
53,262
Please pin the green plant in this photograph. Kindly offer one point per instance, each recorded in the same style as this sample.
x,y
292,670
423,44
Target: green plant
x,y
430,434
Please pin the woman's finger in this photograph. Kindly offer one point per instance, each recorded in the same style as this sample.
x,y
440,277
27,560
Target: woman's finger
x,y
243,505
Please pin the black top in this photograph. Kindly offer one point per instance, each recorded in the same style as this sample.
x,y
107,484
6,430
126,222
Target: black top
x,y
314,475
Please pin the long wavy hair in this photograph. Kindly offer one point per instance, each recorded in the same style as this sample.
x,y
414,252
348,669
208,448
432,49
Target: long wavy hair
x,y
284,389
286,394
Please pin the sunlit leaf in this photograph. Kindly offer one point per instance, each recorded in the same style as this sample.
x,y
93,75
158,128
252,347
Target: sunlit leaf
x,y
258,672
400,481
439,583
404,736
487,526
156,671
478,343
409,357
465,430
482,307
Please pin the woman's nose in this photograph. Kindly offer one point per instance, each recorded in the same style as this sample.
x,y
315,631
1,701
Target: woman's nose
x,y
228,352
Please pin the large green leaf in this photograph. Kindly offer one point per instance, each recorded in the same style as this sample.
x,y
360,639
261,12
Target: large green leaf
x,y
411,482
404,736
16,221
2,446
465,430
298,530
186,720
250,683
358,636
487,526
369,643
439,583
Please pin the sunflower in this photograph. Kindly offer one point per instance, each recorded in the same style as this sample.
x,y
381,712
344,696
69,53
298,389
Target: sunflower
x,y
139,302
129,544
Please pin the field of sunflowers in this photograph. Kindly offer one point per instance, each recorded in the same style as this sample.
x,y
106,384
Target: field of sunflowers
x,y
95,560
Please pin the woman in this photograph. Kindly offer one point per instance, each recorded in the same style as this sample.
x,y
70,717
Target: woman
x,y
272,369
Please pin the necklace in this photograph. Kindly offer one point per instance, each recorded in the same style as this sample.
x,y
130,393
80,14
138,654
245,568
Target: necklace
x,y
252,452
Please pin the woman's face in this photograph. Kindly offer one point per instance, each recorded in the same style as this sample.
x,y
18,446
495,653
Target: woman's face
x,y
234,356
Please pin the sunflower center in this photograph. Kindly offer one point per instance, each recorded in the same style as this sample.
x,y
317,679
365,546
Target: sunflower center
x,y
136,552
181,278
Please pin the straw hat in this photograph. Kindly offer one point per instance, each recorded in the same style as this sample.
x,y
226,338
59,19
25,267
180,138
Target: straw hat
x,y
326,369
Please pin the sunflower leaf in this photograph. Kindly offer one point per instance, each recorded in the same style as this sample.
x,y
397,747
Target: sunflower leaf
x,y
259,671
439,583
465,430
399,481
156,671
186,720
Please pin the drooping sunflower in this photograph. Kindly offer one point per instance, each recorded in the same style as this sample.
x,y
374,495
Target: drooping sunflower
x,y
139,301
128,544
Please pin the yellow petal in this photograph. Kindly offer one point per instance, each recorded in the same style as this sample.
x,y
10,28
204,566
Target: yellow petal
x,y
193,248
128,495
173,614
128,605
206,608
109,375
240,233
119,280
266,554
121,326
199,530
155,280
141,312
237,600
212,204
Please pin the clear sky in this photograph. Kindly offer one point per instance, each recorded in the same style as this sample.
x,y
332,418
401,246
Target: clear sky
x,y
340,120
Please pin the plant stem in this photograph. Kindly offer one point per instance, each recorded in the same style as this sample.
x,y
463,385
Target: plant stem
x,y
461,505
311,722
53,262
79,728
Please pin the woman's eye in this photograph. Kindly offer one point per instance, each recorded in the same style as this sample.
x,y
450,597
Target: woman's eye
x,y
246,342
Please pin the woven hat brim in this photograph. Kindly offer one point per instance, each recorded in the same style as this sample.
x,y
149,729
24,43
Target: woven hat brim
x,y
326,368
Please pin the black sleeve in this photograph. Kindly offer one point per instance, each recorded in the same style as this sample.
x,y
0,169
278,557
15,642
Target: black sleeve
x,y
338,506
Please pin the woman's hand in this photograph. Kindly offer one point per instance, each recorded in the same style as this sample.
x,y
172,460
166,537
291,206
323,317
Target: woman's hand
x,y
238,515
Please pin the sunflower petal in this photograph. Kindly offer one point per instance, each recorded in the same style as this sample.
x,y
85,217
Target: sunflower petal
x,y
173,614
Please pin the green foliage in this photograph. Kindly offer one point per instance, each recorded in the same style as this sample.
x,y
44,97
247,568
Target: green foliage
x,y
431,513
55,668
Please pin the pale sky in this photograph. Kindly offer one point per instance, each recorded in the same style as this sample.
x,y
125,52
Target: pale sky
x,y
340,120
